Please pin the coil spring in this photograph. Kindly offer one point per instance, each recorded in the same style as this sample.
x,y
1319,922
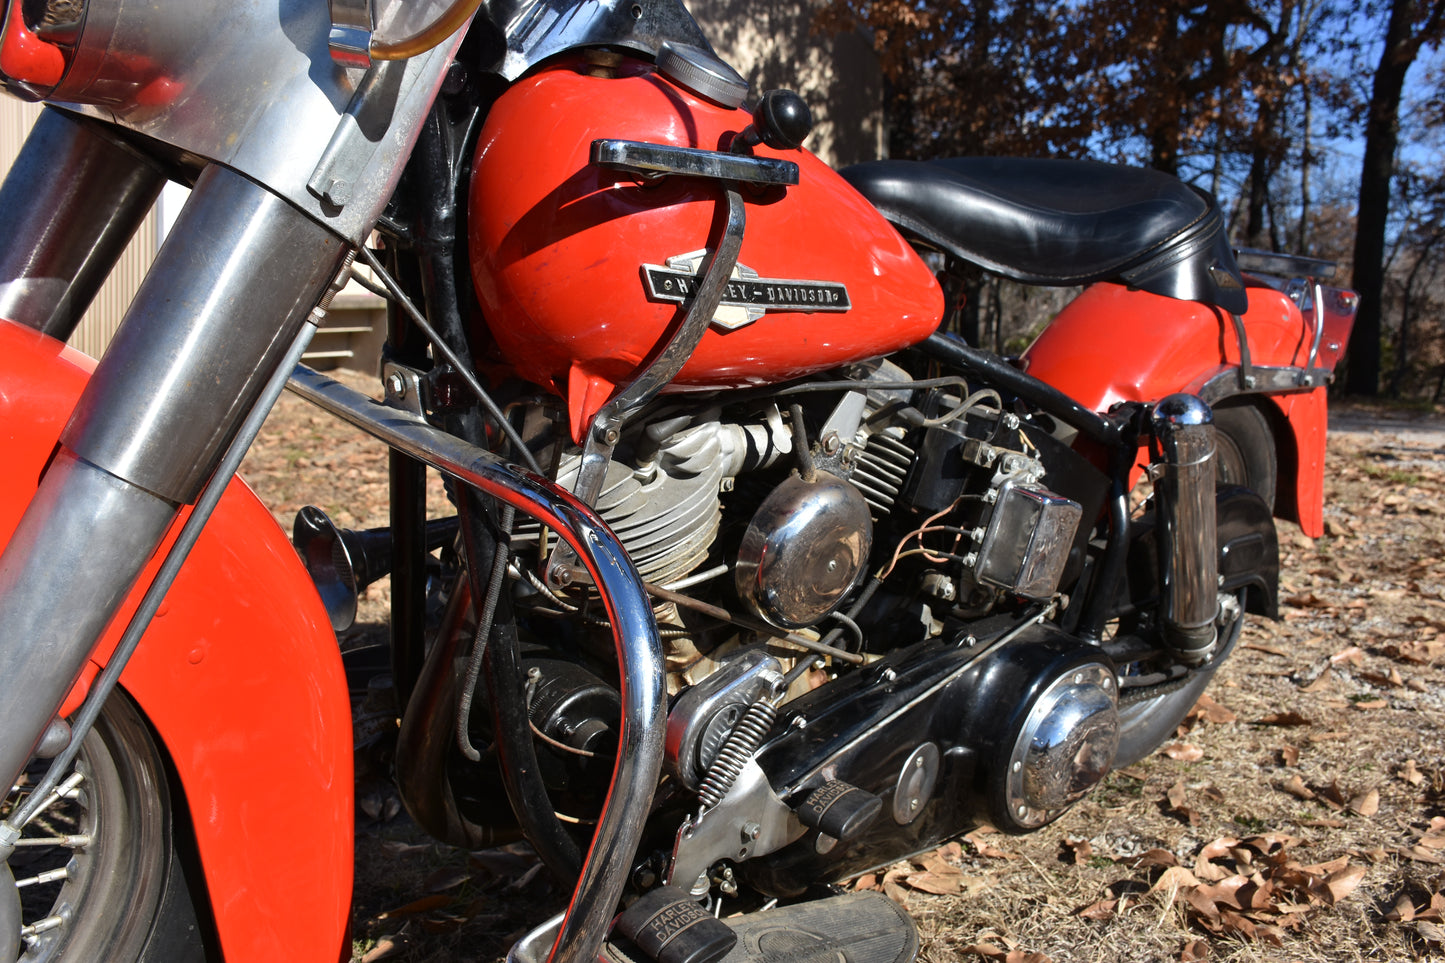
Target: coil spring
x,y
742,742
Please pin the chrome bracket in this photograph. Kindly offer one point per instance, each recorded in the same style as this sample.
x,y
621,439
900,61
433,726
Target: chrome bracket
x,y
605,430
750,821
352,22
368,116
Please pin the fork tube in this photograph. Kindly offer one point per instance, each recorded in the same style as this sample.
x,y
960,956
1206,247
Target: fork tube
x,y
236,278
72,200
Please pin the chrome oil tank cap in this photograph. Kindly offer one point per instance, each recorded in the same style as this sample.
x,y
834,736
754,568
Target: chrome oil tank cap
x,y
702,73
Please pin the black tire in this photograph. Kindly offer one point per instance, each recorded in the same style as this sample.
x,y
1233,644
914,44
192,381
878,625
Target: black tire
x,y
125,897
1244,451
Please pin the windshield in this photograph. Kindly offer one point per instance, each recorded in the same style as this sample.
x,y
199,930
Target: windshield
x,y
538,29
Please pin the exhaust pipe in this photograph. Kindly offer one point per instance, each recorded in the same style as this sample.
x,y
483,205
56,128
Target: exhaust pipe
x,y
1188,557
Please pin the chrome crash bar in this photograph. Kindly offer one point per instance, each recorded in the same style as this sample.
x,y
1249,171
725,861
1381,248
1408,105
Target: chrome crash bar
x,y
588,917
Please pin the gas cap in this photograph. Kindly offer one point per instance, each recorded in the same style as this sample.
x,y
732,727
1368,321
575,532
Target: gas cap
x,y
702,73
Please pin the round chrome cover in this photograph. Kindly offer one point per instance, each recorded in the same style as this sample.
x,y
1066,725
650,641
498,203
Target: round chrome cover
x,y
804,550
1066,745
702,73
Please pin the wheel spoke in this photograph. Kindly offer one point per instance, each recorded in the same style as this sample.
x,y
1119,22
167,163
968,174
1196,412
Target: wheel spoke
x,y
66,790
49,876
41,926
69,842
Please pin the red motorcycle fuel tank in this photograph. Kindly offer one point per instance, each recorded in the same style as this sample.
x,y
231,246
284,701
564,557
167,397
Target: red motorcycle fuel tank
x,y
560,247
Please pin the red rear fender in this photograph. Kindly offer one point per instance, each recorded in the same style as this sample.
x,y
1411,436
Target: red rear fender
x,y
1112,344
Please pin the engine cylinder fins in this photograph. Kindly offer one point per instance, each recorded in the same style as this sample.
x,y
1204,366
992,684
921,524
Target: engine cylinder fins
x,y
1064,746
667,518
881,470
804,550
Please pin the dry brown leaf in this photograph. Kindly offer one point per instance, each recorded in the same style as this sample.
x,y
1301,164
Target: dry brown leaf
x,y
986,848
1290,718
1296,787
422,905
1353,655
1366,804
1077,851
1343,883
1173,879
935,863
1208,871
1210,711
1411,773
1332,796
1270,843
895,892
1176,795
1195,951
933,883
1267,649
987,950
867,881
1430,932
1204,909
1219,848
1183,752
384,949
1102,911
1403,912
1226,891
1288,755
1431,842
446,878
1155,858
1372,704
1422,855
1321,682
1325,869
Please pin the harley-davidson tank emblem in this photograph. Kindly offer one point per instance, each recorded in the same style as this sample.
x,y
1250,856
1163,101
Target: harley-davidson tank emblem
x,y
748,296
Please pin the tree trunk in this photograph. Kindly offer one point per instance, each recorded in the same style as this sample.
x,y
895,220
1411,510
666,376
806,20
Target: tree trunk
x,y
1382,134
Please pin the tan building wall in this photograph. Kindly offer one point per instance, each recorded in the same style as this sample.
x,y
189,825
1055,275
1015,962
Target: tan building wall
x,y
351,338
103,317
773,44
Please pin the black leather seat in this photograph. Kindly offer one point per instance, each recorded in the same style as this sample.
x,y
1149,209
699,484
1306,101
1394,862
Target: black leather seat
x,y
1062,222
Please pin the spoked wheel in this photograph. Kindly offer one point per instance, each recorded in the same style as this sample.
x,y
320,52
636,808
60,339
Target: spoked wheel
x,y
97,875
1244,452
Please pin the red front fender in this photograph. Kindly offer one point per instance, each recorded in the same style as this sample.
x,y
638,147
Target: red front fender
x,y
241,678
1112,344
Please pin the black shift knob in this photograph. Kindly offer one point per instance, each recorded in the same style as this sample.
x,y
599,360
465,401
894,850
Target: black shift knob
x,y
782,120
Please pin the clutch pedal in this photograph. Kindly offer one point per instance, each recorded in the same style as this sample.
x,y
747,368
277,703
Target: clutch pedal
x,y
851,928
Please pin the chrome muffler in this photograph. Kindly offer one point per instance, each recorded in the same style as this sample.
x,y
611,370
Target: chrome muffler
x,y
1188,561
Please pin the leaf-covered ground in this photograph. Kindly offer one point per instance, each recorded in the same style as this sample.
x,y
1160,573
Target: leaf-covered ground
x,y
1299,814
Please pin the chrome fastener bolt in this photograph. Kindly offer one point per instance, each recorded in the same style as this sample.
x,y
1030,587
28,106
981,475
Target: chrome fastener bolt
x,y
395,385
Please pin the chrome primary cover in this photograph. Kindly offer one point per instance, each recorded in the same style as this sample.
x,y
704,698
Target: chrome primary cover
x,y
1065,746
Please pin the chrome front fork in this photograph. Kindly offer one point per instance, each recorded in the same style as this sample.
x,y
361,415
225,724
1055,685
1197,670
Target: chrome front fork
x,y
229,290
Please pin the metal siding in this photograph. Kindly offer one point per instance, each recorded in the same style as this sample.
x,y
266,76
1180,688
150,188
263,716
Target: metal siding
x,y
103,317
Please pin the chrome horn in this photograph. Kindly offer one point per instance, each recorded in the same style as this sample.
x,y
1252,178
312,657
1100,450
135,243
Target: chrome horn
x,y
342,561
